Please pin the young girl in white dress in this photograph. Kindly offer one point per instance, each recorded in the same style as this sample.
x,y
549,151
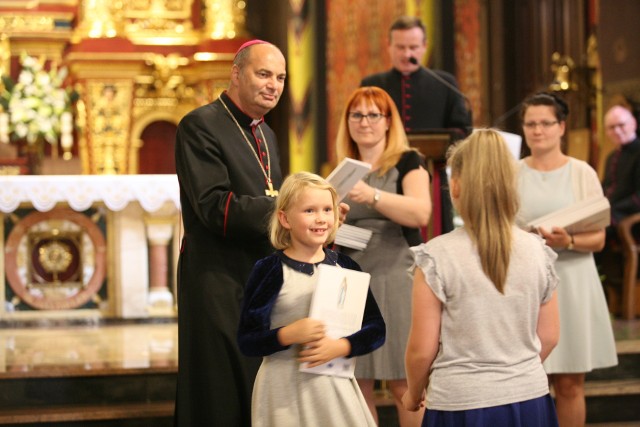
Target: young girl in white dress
x,y
274,321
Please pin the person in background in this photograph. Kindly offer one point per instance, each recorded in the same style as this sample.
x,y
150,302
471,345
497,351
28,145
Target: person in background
x,y
485,312
550,180
621,183
426,100
228,168
423,99
275,323
392,201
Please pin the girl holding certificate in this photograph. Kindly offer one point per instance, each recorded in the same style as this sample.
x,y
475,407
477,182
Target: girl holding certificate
x,y
274,321
548,181
484,310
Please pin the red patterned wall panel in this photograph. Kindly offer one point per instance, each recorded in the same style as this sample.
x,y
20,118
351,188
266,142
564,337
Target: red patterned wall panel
x,y
356,47
468,54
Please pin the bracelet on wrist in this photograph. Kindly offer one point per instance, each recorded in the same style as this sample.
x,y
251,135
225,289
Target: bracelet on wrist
x,y
571,243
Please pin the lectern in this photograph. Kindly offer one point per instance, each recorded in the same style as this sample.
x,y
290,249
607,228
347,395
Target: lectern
x,y
433,144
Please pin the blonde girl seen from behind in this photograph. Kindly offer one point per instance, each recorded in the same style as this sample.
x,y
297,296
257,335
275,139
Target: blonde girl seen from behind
x,y
489,210
484,306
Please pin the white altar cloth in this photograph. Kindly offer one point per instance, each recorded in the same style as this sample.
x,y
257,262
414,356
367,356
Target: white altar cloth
x,y
82,191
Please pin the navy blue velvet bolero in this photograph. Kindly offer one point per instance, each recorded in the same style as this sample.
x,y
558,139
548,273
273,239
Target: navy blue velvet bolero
x,y
255,336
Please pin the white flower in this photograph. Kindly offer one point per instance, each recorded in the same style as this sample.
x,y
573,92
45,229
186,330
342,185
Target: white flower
x,y
30,62
25,78
21,129
43,80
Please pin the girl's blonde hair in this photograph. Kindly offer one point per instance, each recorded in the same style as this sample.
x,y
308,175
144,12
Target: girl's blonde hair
x,y
488,201
397,142
290,191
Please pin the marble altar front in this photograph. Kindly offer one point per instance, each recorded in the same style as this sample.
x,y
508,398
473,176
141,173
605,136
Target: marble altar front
x,y
102,246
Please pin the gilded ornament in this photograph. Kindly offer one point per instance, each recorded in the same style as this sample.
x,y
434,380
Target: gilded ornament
x,y
55,257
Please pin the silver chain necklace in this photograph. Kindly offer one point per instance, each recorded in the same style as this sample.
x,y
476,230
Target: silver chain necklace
x,y
267,173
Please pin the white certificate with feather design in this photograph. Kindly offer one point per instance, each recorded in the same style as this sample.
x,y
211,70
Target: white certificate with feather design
x,y
339,301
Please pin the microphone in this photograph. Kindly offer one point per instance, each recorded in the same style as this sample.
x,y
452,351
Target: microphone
x,y
506,115
452,87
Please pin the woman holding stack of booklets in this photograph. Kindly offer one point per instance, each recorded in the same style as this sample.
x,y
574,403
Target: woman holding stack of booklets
x,y
548,181
275,322
393,201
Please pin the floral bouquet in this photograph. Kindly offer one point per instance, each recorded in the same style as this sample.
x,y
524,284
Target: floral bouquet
x,y
39,107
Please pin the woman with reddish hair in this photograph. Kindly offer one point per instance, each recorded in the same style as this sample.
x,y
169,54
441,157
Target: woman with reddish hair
x,y
393,202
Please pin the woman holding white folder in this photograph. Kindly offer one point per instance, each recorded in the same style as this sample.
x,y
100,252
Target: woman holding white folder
x,y
550,180
393,202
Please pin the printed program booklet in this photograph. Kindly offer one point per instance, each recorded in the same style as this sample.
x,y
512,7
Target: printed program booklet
x,y
339,301
347,174
588,215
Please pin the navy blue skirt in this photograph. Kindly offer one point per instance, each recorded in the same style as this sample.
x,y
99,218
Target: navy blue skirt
x,y
539,412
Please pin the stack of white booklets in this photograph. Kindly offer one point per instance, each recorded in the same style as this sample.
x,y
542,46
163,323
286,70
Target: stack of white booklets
x,y
339,301
588,215
353,237
343,178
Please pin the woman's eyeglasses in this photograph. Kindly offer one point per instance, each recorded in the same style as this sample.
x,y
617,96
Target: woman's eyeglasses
x,y
544,124
371,117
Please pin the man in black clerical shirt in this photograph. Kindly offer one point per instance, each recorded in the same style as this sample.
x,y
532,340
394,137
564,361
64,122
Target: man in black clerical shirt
x,y
621,184
228,167
426,99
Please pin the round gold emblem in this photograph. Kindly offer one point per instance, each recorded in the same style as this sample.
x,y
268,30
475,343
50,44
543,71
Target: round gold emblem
x,y
55,260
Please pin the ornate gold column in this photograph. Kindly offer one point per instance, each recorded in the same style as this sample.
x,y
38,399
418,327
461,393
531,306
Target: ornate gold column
x,y
104,79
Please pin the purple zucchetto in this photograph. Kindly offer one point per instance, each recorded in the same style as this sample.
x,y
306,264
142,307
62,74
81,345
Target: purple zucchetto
x,y
249,43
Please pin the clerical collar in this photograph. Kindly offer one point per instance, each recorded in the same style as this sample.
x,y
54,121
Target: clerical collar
x,y
395,70
330,258
635,143
241,116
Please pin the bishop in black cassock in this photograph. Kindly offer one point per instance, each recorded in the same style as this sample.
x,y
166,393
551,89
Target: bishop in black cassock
x,y
224,211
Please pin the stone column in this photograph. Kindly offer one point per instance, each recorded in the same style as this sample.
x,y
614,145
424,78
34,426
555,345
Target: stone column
x,y
130,282
160,230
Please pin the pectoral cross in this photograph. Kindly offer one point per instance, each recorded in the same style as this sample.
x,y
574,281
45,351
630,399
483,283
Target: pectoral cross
x,y
270,191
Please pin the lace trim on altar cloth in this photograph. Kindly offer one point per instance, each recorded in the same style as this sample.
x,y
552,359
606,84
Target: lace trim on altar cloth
x,y
80,192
